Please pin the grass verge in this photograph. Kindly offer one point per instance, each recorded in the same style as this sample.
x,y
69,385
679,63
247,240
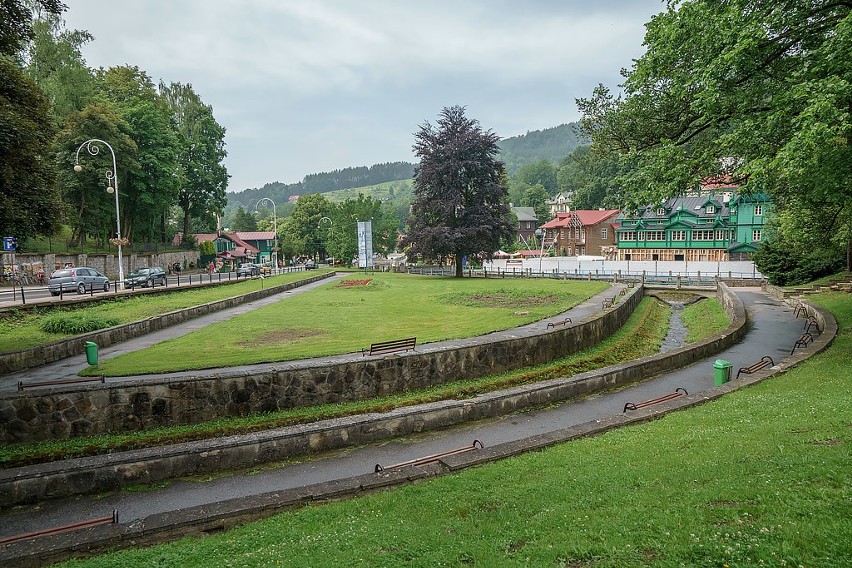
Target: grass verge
x,y
704,318
760,477
336,318
640,336
21,329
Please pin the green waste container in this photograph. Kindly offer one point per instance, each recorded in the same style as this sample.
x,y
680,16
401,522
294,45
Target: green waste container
x,y
721,371
92,353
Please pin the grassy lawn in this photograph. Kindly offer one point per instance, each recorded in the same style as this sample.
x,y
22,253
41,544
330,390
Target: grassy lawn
x,y
641,335
340,318
761,477
20,329
703,319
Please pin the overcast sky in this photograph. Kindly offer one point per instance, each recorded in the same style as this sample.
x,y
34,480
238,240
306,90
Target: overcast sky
x,y
305,86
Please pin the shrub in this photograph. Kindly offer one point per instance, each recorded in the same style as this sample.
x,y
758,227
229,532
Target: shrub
x,y
75,323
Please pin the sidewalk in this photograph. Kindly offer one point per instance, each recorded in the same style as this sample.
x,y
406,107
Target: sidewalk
x,y
774,328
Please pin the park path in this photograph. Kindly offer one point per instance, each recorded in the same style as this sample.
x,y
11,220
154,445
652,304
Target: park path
x,y
773,329
70,367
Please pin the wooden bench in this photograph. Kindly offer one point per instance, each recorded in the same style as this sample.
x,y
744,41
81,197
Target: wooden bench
x,y
803,341
433,458
811,322
22,385
555,323
609,302
108,520
383,347
679,392
765,361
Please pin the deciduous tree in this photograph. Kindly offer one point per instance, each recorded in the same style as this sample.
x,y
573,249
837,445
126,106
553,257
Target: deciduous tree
x,y
760,90
30,203
203,177
460,202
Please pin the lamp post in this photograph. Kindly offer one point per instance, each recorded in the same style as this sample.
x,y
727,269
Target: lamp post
x,y
274,229
112,187
330,225
540,233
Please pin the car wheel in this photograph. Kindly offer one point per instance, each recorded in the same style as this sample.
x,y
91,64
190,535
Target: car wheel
x,y
52,293
106,286
81,288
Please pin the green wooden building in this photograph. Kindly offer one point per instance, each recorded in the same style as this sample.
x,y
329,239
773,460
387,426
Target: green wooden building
x,y
705,227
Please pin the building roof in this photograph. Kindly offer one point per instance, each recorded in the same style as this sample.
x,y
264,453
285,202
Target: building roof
x,y
256,235
586,218
240,246
525,213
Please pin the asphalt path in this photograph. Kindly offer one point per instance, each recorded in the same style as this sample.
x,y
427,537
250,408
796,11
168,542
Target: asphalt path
x,y
70,367
773,330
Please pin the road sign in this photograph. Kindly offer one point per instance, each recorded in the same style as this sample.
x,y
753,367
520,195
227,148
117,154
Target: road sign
x,y
10,244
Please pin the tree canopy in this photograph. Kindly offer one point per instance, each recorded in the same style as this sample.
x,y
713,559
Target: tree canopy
x,y
31,202
460,201
758,90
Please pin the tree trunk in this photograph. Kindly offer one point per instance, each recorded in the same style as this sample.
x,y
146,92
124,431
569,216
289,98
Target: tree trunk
x,y
459,267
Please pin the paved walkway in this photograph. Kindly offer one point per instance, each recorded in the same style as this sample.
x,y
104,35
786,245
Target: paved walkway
x,y
70,367
773,331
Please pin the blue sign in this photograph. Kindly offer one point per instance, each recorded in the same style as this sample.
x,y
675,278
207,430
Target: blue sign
x,y
10,244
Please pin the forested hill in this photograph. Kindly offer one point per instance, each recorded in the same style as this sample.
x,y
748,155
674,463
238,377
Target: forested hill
x,y
551,144
323,183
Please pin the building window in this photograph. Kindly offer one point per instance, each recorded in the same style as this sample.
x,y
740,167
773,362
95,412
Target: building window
x,y
758,210
604,233
756,234
678,235
711,209
655,235
702,235
628,236
723,235
661,212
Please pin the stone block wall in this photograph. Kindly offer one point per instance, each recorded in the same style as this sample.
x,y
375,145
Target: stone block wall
x,y
65,412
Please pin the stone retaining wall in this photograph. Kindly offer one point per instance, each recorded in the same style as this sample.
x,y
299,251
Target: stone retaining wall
x,y
102,473
13,361
126,406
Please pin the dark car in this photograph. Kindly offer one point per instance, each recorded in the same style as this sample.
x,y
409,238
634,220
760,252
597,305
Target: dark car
x,y
146,277
79,278
248,269
310,265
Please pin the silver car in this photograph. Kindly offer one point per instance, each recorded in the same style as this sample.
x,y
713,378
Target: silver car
x,y
79,278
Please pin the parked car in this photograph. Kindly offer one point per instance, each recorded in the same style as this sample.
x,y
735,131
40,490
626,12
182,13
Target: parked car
x,y
79,278
146,277
248,269
310,265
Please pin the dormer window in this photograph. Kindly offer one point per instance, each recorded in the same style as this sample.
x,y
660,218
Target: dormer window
x,y
661,212
710,209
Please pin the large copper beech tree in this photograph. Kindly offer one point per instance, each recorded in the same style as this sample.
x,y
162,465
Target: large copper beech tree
x,y
460,205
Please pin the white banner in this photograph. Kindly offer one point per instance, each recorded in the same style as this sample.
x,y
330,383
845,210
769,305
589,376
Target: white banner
x,y
365,244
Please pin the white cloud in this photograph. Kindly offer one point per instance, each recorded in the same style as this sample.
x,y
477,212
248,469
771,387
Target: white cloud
x,y
311,85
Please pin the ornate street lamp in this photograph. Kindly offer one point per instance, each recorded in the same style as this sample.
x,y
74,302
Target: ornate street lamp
x,y
330,225
112,187
274,229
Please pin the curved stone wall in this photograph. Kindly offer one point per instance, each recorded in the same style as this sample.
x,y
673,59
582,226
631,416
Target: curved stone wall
x,y
101,473
126,406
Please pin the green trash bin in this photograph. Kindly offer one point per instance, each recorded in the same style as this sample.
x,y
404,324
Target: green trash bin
x,y
92,353
721,371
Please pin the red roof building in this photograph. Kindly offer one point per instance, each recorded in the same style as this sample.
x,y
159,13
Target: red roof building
x,y
581,232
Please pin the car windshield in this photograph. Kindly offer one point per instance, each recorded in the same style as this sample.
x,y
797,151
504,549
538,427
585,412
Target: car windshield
x,y
61,274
